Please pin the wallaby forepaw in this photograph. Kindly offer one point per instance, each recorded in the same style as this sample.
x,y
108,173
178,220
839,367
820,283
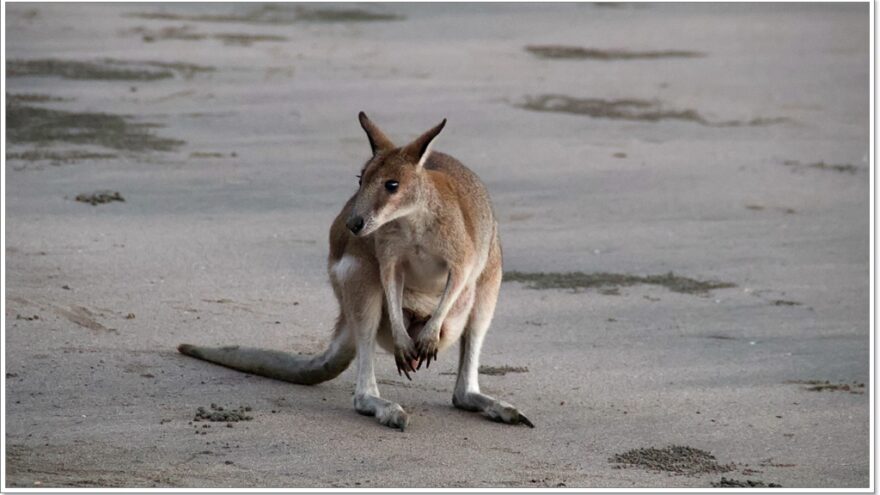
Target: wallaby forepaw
x,y
406,358
426,348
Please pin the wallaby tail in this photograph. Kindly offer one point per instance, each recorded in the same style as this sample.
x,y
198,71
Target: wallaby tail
x,y
304,370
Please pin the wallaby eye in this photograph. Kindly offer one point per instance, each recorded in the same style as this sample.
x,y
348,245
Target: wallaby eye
x,y
391,186
359,178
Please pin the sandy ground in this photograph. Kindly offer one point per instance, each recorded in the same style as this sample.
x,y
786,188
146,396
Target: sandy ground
x,y
745,162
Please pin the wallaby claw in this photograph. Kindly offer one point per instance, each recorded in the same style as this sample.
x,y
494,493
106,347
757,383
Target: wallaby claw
x,y
427,351
403,359
403,366
524,420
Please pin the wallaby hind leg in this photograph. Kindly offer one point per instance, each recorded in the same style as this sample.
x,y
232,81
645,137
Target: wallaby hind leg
x,y
467,393
361,300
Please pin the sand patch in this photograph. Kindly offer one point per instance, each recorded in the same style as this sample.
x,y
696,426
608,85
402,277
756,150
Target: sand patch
x,y
83,317
608,281
844,168
577,52
33,98
630,109
106,69
673,459
58,157
29,124
769,462
277,14
188,33
822,386
732,483
344,15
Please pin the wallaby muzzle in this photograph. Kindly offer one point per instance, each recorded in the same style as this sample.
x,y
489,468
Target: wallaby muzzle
x,y
355,224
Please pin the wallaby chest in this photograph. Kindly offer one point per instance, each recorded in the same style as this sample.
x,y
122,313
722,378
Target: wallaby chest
x,y
414,248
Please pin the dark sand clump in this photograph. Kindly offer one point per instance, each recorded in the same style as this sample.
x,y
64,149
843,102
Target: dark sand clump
x,y
784,302
844,168
731,483
495,370
502,370
783,209
821,386
28,124
99,197
222,414
245,39
577,52
58,157
107,69
674,459
187,33
580,280
277,14
619,5
206,154
629,109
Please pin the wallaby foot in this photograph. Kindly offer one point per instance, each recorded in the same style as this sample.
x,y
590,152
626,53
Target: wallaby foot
x,y
494,409
388,413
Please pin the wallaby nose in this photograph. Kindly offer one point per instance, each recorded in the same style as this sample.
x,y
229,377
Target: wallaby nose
x,y
355,224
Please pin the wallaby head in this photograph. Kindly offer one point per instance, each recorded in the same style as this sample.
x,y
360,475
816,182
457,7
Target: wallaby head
x,y
390,184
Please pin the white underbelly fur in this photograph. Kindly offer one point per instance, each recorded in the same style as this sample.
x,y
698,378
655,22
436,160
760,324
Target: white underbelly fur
x,y
420,302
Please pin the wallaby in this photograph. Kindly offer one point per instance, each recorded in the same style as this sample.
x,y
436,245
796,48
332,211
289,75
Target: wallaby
x,y
415,263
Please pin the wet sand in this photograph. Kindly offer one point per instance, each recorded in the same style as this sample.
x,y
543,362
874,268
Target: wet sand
x,y
682,193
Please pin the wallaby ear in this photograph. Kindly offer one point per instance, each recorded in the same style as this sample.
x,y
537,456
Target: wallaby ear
x,y
378,140
419,149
